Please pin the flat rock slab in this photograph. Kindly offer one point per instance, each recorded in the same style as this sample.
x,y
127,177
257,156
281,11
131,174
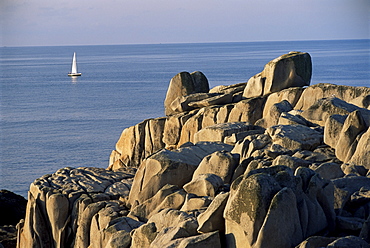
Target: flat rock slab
x,y
221,132
81,180
295,137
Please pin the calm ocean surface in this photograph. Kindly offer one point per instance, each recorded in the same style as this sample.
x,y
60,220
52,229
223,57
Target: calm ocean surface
x,y
50,121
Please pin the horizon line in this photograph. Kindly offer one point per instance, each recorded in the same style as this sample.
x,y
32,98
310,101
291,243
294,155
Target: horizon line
x,y
174,43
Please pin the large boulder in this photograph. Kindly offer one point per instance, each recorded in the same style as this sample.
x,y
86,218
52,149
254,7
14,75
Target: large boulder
x,y
169,167
291,95
173,127
144,235
323,108
107,229
63,207
347,143
212,219
153,204
345,189
247,110
289,70
349,94
204,185
332,129
361,156
273,206
170,226
295,137
130,146
184,84
273,114
291,162
220,163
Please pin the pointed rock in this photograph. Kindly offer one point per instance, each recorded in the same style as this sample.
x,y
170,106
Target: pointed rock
x,y
212,219
353,125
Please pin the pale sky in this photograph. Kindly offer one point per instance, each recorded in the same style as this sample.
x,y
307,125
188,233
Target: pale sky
x,y
104,22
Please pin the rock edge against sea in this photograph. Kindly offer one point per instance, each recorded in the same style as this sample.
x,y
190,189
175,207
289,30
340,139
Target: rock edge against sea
x,y
272,162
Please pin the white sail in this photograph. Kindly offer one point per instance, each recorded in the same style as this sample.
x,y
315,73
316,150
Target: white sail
x,y
74,64
74,67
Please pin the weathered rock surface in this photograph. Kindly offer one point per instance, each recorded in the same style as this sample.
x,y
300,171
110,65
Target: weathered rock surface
x,y
361,156
227,132
65,209
268,163
325,107
274,113
352,127
220,163
272,206
318,91
295,137
184,84
289,70
212,219
204,185
169,167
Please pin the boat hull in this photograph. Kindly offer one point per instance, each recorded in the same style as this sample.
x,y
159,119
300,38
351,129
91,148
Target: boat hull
x,y
74,74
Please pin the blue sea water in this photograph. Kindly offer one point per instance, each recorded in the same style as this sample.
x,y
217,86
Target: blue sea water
x,y
49,120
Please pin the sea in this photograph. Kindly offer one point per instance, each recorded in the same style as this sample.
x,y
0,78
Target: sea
x,y
51,121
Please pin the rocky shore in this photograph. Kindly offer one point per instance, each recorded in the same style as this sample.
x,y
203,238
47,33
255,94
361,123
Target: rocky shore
x,y
12,210
273,162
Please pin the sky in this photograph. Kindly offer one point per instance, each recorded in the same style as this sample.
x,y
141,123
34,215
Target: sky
x,y
106,22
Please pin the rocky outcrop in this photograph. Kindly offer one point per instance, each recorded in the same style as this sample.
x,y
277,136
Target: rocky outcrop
x,y
358,96
272,206
289,70
76,208
12,209
169,167
270,163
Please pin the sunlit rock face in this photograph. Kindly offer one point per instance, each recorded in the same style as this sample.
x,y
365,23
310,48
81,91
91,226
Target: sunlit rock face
x,y
184,84
74,207
289,70
269,163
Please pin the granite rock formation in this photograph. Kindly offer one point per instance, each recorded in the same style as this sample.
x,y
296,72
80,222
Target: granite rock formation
x,y
269,163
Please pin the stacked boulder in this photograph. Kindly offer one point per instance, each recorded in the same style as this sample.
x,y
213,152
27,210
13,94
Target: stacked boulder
x,y
77,208
269,163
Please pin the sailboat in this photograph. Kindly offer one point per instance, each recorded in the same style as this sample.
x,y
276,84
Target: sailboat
x,y
74,67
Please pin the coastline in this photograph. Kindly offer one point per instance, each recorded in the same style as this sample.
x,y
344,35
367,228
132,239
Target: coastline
x,y
87,116
251,149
